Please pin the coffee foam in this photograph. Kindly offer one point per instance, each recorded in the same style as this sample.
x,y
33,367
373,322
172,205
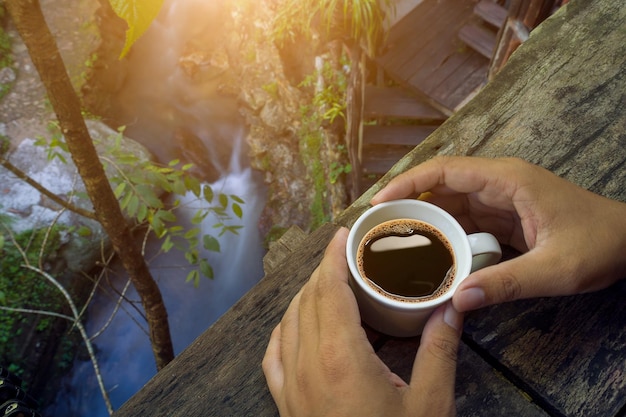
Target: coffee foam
x,y
405,226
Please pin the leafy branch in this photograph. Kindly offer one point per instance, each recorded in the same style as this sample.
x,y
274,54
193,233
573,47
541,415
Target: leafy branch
x,y
138,183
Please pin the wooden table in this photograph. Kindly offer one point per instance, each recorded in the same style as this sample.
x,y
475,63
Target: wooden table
x,y
560,102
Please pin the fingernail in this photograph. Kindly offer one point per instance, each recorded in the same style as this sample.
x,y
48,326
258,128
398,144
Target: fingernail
x,y
470,299
452,317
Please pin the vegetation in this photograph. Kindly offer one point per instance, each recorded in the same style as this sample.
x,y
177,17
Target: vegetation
x,y
357,20
20,288
327,109
138,184
138,15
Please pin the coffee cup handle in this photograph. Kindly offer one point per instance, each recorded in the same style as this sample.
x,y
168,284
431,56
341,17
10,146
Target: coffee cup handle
x,y
485,250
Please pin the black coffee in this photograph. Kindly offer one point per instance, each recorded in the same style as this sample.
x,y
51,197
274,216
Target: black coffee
x,y
407,258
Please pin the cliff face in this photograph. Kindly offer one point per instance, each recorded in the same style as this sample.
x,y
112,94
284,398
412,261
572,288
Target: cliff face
x,y
267,72
234,54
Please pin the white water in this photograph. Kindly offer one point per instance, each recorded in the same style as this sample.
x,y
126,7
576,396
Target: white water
x,y
157,99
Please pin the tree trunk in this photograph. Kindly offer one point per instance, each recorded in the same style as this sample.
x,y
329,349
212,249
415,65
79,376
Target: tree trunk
x,y
32,27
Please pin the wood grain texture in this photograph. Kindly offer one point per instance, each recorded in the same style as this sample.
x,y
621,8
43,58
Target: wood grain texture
x,y
569,353
559,102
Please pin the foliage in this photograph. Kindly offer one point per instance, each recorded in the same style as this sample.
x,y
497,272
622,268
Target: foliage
x,y
329,98
138,15
138,184
5,144
337,169
310,147
20,287
327,106
360,20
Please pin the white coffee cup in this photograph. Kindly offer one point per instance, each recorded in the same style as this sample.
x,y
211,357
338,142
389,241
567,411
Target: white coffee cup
x,y
406,318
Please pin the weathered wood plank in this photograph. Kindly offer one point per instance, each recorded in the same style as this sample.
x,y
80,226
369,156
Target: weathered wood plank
x,y
463,84
395,102
476,382
452,15
481,40
491,12
410,135
559,102
569,351
402,42
280,249
379,159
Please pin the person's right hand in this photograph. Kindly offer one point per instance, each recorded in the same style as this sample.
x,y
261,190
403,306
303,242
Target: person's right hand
x,y
575,241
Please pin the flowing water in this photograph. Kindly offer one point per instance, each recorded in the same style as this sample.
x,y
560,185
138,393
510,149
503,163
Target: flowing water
x,y
160,105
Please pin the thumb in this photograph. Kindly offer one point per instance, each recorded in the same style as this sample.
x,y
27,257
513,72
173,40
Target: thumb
x,y
434,370
535,274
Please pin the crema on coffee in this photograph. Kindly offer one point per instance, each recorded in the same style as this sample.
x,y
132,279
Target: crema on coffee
x,y
406,259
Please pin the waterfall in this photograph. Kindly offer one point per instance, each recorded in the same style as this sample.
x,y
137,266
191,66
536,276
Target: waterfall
x,y
162,108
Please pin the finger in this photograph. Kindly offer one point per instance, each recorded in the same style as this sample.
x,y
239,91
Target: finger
x,y
451,175
337,301
436,172
534,274
272,364
434,371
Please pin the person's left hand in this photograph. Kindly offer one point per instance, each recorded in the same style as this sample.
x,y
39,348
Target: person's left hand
x,y
319,361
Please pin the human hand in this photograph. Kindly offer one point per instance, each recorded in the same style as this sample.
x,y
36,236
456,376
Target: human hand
x,y
574,240
319,361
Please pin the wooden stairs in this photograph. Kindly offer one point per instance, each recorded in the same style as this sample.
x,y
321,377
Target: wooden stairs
x,y
436,58
426,75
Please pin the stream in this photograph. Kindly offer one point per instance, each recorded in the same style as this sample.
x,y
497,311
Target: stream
x,y
160,105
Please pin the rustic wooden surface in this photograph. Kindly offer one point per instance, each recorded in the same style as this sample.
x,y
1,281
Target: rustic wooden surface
x,y
423,53
559,102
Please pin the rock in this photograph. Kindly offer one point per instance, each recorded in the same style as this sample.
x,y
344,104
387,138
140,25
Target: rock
x,y
7,75
29,209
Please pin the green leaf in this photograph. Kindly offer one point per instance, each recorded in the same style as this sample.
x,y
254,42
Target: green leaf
x,y
206,269
142,212
166,215
192,184
191,233
199,217
237,210
126,159
192,256
84,231
224,200
179,187
138,15
237,199
211,243
174,162
167,244
126,200
148,195
208,194
194,276
3,298
158,226
133,206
